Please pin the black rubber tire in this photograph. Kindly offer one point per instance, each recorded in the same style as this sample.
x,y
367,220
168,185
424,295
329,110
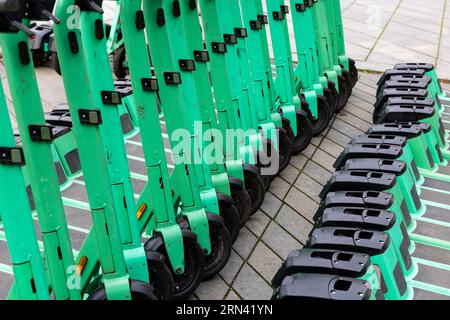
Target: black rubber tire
x,y
348,79
333,98
242,202
118,63
344,93
353,72
221,246
140,291
254,184
287,126
323,120
194,262
330,99
161,279
55,63
304,134
232,218
284,148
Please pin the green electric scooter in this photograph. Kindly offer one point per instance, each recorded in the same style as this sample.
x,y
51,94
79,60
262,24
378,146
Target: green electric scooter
x,y
347,63
167,241
283,89
263,81
227,175
314,89
228,102
193,189
312,97
328,59
27,265
36,139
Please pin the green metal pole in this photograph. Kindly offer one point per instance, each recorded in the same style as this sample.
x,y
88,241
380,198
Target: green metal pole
x,y
29,273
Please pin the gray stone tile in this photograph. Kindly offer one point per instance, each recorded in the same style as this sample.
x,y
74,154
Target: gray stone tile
x,y
299,161
338,138
331,147
354,121
345,128
358,112
271,204
279,187
290,174
245,243
232,268
265,262
232,296
324,159
317,172
308,186
316,141
213,289
250,286
294,223
309,152
258,223
301,203
281,242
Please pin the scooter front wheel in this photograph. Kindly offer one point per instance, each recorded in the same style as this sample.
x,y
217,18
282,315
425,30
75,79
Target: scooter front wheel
x,y
324,115
304,133
230,214
344,93
242,201
288,128
255,187
333,97
194,268
348,79
221,245
160,276
353,72
284,148
140,291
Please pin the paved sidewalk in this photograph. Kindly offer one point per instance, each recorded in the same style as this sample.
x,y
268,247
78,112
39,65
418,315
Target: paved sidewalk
x,y
384,32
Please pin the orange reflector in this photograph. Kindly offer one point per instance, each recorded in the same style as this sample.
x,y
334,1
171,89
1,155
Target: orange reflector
x,y
81,265
295,78
141,211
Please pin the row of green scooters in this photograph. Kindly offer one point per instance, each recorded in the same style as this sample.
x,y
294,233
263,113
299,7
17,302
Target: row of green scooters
x,y
216,71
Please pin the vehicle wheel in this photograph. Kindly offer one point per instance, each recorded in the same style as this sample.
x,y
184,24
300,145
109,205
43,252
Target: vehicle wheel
x,y
194,267
322,122
231,217
348,79
119,63
140,291
160,276
304,133
333,98
242,201
284,148
343,93
221,245
255,186
353,72
287,126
